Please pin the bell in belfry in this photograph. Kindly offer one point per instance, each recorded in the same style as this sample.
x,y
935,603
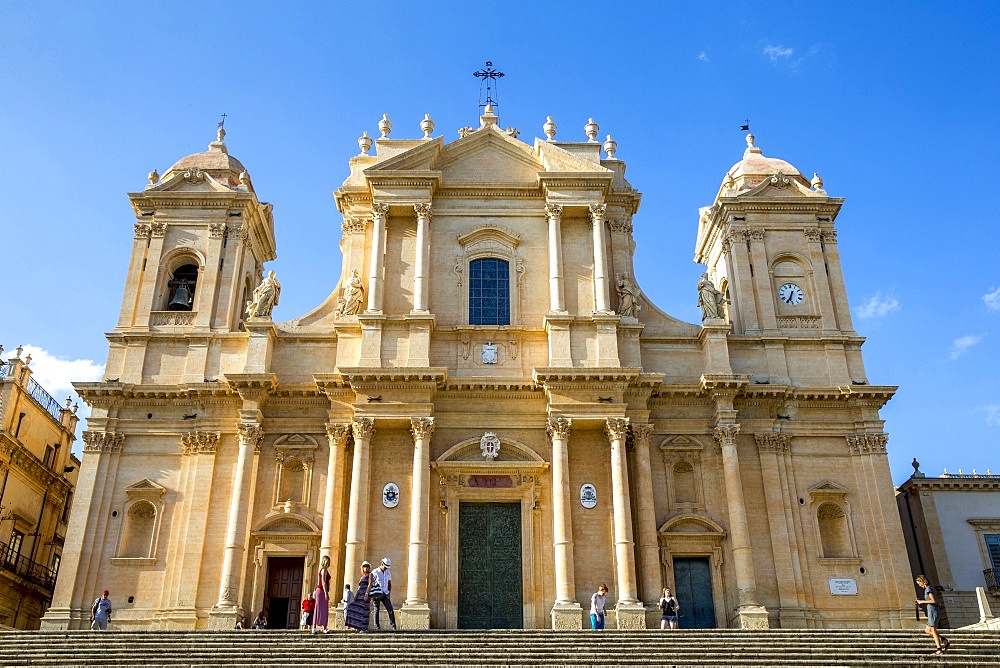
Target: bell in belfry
x,y
182,298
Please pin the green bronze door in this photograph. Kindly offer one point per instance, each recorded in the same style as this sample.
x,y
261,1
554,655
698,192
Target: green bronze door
x,y
489,566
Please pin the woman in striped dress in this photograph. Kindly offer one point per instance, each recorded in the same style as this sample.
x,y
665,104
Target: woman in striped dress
x,y
358,613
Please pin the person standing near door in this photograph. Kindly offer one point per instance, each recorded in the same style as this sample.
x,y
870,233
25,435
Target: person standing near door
x,y
321,609
669,609
597,603
382,592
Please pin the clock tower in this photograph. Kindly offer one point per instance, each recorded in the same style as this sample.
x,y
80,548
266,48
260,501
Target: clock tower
x,y
770,245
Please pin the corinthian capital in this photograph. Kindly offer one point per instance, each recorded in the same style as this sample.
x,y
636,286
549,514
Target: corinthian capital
x,y
195,442
101,441
421,427
641,433
725,434
380,209
771,442
251,433
597,212
616,428
336,433
423,210
364,428
867,444
554,211
558,428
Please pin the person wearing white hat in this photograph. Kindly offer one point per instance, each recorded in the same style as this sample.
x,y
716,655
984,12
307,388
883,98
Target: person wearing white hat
x,y
382,589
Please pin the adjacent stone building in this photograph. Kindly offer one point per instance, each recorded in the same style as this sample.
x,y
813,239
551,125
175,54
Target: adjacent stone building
x,y
39,475
487,398
951,524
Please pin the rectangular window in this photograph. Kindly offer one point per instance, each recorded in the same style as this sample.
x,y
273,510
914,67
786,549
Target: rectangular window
x,y
993,547
489,292
50,455
14,546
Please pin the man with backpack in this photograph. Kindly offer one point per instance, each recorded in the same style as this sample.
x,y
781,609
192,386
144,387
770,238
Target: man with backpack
x,y
100,613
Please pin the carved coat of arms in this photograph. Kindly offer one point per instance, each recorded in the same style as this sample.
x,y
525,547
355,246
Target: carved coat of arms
x,y
490,445
489,353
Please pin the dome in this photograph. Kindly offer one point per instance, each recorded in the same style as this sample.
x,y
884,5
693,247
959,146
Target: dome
x,y
216,162
755,167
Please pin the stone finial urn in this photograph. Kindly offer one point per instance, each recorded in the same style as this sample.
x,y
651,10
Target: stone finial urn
x,y
591,129
427,126
365,143
385,126
549,128
610,146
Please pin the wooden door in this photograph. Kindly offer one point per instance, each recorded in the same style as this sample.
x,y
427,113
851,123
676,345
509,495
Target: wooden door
x,y
283,599
693,589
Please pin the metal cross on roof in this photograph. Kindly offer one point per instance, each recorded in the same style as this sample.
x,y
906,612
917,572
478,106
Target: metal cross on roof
x,y
488,76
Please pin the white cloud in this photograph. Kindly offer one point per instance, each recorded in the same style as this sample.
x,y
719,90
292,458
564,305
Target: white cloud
x,y
960,345
702,56
775,53
992,299
56,374
992,413
878,306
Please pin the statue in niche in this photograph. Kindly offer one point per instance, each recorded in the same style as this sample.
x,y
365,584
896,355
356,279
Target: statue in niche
x,y
711,301
353,298
628,298
265,297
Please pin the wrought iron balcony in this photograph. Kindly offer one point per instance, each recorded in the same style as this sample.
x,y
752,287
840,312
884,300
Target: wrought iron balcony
x,y
992,576
32,571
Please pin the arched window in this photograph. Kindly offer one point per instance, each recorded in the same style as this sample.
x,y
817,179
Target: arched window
x,y
137,534
833,531
181,287
684,487
489,292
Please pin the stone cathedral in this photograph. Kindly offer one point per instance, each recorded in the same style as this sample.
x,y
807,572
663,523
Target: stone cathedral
x,y
487,398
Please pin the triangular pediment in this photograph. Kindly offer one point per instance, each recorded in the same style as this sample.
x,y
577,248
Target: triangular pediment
x,y
193,180
782,186
144,488
488,155
419,158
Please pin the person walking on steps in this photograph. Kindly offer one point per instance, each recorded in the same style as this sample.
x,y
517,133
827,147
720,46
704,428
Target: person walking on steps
x,y
669,609
321,607
100,613
597,602
359,612
380,590
933,615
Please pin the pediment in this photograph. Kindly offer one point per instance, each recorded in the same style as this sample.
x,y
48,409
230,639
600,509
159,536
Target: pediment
x,y
691,524
419,158
193,180
296,442
471,451
827,489
681,443
559,160
488,156
144,488
782,186
282,523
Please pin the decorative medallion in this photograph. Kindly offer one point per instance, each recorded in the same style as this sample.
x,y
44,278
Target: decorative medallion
x,y
490,445
489,353
390,495
588,496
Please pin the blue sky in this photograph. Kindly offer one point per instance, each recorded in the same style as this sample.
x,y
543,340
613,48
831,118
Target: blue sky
x,y
895,105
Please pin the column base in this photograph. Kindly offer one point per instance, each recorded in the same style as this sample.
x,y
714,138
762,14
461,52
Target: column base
x,y
630,616
751,617
417,616
567,617
224,618
62,619
337,619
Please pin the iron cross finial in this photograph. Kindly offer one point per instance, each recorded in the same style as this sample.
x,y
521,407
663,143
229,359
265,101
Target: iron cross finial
x,y
222,123
488,76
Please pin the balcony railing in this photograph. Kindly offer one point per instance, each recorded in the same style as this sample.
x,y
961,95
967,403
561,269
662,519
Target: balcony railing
x,y
6,369
992,576
31,571
39,394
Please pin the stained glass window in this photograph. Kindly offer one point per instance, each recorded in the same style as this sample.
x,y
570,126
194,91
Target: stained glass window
x,y
489,292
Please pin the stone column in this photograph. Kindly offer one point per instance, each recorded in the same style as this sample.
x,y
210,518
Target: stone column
x,y
629,611
557,301
250,436
380,211
741,286
336,434
602,299
422,259
415,613
649,546
357,514
750,614
566,612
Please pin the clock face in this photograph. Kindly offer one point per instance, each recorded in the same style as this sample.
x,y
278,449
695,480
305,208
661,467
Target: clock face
x,y
791,294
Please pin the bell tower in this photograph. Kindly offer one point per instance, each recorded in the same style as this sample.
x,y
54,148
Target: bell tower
x,y
770,245
201,238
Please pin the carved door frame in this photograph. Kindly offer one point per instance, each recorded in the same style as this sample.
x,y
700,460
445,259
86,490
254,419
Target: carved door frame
x,y
457,484
282,536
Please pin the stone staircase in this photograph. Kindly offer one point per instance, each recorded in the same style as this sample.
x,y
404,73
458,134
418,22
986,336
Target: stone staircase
x,y
496,648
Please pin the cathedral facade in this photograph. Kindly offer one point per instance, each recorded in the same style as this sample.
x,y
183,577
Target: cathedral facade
x,y
487,398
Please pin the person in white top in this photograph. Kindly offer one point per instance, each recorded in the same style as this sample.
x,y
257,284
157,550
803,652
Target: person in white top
x,y
383,577
597,602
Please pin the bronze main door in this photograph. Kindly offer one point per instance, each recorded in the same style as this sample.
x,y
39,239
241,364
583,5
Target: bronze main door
x,y
489,566
284,592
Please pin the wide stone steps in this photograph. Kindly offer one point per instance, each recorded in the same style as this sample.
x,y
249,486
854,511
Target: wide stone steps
x,y
721,647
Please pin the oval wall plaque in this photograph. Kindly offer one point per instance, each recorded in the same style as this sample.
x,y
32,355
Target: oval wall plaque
x,y
390,495
588,496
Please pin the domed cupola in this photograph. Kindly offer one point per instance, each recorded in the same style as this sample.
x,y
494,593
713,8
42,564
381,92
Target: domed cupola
x,y
755,167
216,162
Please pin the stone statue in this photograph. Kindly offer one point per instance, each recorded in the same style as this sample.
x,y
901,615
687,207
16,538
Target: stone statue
x,y
628,298
265,297
353,298
710,299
